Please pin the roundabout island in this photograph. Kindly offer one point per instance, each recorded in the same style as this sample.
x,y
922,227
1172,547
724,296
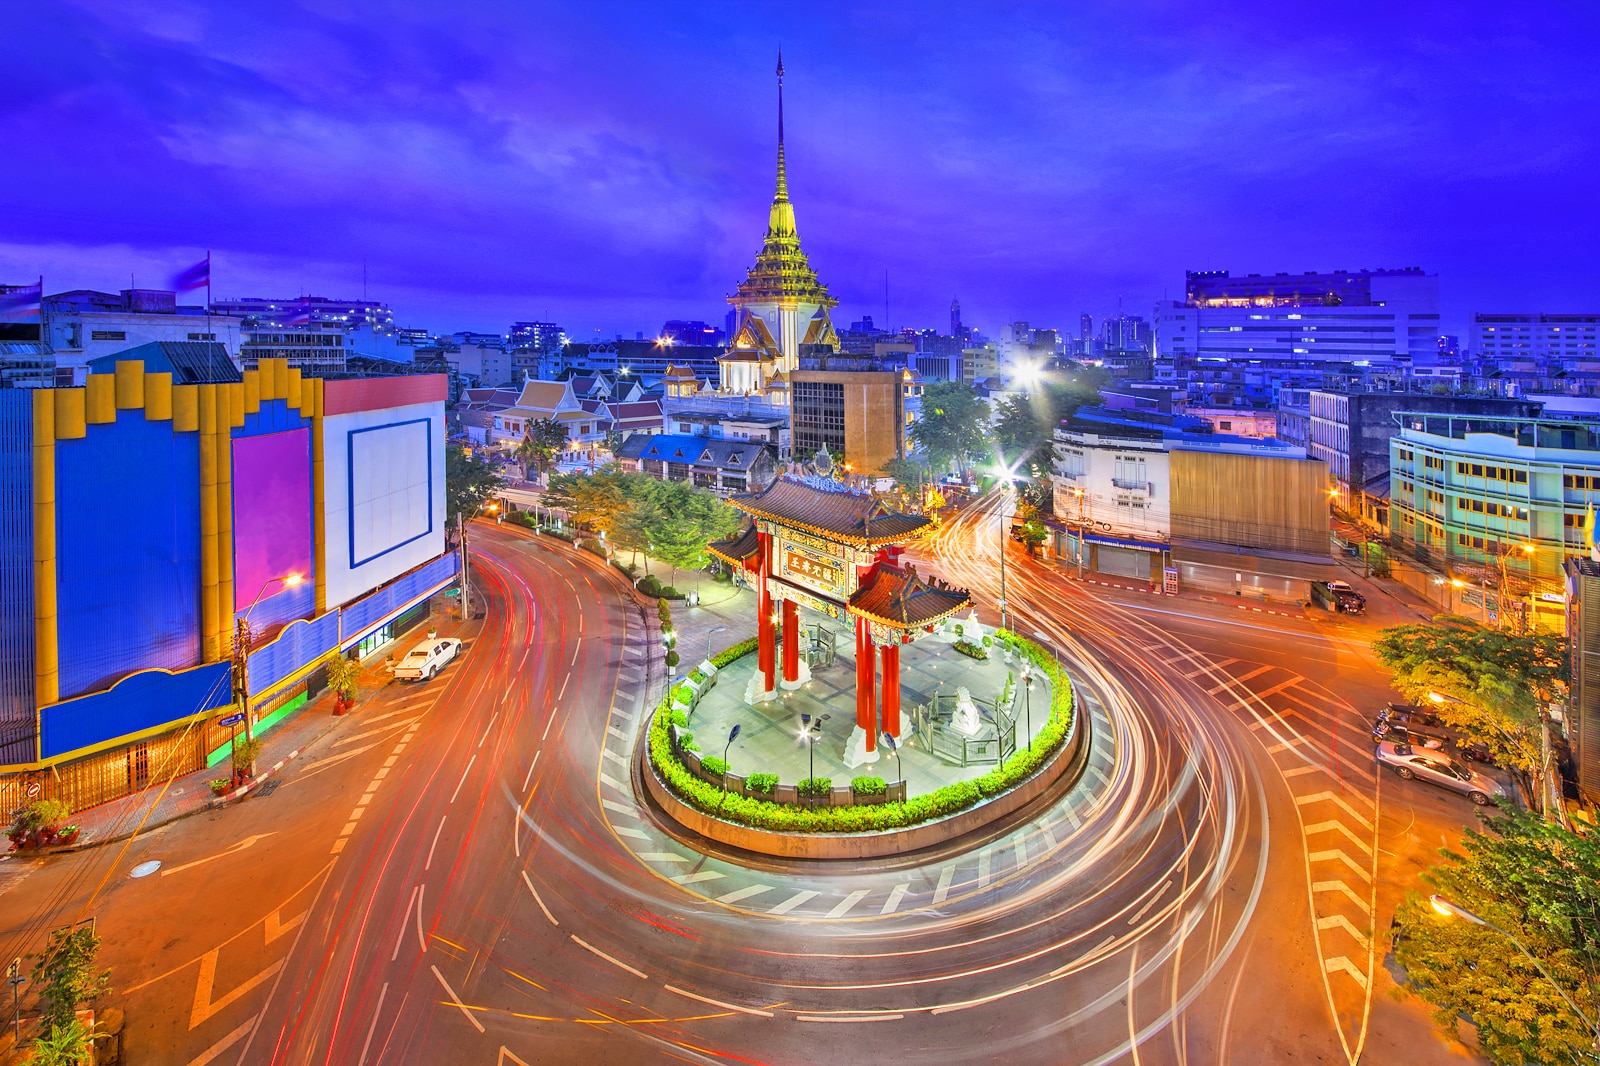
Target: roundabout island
x,y
933,726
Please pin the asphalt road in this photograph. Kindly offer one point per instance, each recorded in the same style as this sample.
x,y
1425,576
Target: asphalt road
x,y
462,873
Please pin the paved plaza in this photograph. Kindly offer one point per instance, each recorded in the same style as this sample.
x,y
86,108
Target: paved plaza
x,y
769,737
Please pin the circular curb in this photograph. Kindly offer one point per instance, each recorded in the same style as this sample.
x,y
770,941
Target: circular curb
x,y
1071,758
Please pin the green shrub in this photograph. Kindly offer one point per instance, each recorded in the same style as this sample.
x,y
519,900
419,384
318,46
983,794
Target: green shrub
x,y
762,813
734,653
815,787
988,641
686,742
668,592
715,765
970,650
649,585
592,546
678,718
869,786
960,629
682,694
672,659
626,568
40,814
696,676
246,752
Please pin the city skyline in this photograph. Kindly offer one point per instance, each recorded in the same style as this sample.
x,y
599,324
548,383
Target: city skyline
x,y
493,167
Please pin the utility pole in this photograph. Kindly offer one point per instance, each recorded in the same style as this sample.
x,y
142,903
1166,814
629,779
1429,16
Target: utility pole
x,y
466,592
241,674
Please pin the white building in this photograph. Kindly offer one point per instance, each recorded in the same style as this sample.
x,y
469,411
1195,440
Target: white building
x,y
1536,335
1367,316
83,324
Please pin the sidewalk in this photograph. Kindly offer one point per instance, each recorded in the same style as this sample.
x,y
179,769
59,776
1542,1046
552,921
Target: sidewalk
x,y
143,811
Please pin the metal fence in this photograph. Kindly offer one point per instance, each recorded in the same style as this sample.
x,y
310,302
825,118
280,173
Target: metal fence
x,y
994,744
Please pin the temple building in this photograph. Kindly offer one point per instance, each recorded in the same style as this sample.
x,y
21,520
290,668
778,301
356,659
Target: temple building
x,y
816,543
782,307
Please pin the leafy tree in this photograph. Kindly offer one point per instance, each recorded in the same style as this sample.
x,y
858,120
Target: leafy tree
x,y
1541,884
1483,682
952,426
541,443
683,520
470,478
593,500
66,977
907,472
1025,424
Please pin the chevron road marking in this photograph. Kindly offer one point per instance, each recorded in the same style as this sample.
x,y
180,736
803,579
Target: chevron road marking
x,y
1330,856
1337,801
1340,886
1339,921
1339,964
1338,827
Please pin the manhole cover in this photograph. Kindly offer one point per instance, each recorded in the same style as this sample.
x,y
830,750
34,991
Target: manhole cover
x,y
267,788
145,869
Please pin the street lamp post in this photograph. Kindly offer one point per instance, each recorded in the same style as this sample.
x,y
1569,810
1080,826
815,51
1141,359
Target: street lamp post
x,y
1027,700
1452,910
894,749
241,658
810,736
709,635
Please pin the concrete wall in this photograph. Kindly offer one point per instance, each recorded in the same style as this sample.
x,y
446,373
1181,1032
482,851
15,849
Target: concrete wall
x,y
1251,501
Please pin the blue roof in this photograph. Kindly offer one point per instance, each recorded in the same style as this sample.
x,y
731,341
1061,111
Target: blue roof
x,y
675,447
189,362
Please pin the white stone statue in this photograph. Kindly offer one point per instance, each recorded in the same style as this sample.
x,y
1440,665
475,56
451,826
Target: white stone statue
x,y
972,630
966,720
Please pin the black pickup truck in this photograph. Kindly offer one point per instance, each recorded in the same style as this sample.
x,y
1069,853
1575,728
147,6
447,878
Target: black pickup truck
x,y
1338,596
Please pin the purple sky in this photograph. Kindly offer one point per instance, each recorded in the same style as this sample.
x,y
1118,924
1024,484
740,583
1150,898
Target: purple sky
x,y
610,165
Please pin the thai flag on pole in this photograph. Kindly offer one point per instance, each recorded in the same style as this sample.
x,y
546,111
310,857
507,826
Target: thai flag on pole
x,y
22,304
299,315
195,277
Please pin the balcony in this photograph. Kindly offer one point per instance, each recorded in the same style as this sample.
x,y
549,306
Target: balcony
x,y
1136,486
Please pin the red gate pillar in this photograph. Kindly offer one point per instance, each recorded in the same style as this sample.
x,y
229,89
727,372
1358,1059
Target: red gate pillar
x,y
791,643
766,638
891,690
866,676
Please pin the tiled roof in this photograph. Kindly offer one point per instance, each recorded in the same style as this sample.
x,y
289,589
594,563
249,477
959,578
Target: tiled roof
x,y
736,550
857,517
897,596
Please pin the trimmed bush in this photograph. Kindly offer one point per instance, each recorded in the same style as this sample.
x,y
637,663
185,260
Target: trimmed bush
x,y
682,694
715,765
668,592
970,650
592,546
649,585
686,742
763,813
868,785
815,787
678,718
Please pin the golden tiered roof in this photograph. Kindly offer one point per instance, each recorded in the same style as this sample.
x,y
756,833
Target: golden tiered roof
x,y
782,272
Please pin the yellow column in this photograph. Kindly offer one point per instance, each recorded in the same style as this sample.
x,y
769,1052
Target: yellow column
x,y
252,391
185,408
312,405
210,604
101,398
224,446
46,668
130,384
158,397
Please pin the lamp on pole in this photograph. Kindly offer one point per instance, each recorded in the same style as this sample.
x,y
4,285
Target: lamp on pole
x,y
894,749
241,657
1027,699
1452,910
810,736
1008,475
709,635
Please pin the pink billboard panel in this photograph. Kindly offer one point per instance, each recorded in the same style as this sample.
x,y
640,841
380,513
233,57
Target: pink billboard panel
x,y
271,512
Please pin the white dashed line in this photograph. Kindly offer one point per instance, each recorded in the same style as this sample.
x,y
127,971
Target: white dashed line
x,y
744,893
842,908
794,901
896,894
943,888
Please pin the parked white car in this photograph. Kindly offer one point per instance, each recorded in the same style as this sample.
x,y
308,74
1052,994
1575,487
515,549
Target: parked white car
x,y
427,659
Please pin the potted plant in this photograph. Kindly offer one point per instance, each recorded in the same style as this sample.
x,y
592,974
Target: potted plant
x,y
761,784
245,754
343,675
868,789
816,791
36,824
221,786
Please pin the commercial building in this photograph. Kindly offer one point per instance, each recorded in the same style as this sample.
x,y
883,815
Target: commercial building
x,y
305,310
724,466
145,517
1364,316
1583,712
1498,504
1539,336
859,416
1162,499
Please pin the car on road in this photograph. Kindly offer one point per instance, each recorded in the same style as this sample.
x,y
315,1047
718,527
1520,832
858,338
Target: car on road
x,y
1339,597
427,659
1398,734
1436,768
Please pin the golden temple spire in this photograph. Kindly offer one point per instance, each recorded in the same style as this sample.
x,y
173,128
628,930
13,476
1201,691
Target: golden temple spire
x,y
780,221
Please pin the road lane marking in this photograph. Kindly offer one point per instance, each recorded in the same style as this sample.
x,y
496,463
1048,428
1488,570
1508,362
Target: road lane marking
x,y
613,782
793,901
1072,816
374,1026
984,860
943,888
694,878
429,864
390,728
1286,745
463,780
1321,856
204,1007
1339,963
1341,887
401,939
456,999
896,894
629,831
1338,827
744,893
1100,774
248,841
537,899
613,756
562,694
718,1002
487,728
842,908
1339,921
614,731
224,1044
612,959
613,805
273,927
1298,770
1022,852
661,856
548,723
1049,837
1337,801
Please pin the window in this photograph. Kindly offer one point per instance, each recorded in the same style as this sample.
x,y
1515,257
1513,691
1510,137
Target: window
x,y
1226,424
108,335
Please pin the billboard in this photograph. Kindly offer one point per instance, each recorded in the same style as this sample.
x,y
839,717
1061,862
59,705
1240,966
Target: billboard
x,y
271,520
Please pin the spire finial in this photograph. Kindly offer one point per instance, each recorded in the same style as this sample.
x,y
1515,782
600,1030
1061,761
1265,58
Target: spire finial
x,y
783,175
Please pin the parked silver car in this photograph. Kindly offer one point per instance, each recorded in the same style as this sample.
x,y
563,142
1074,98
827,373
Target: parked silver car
x,y
1437,768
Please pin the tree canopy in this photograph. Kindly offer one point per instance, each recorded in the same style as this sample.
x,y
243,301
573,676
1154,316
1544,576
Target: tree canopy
x,y
952,427
470,478
1483,682
542,442
1541,884
1025,424
668,520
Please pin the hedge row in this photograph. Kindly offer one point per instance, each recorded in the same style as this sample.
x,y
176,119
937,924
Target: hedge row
x,y
860,818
